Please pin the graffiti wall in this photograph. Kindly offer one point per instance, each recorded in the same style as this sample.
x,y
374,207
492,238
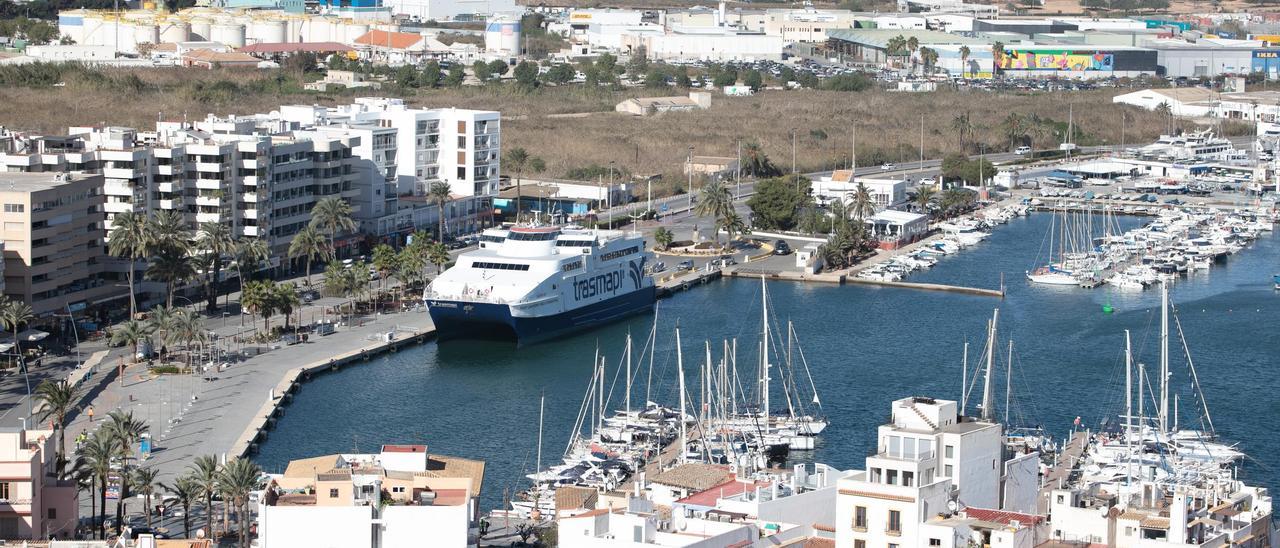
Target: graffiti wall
x,y
1060,60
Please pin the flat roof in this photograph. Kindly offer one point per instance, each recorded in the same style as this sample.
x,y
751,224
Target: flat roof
x,y
35,182
879,38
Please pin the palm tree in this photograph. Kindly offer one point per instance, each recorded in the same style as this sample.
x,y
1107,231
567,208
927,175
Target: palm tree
x,y
963,125
128,240
162,321
285,298
124,431
913,44
132,332
964,60
438,254
895,46
733,225
929,57
715,201
144,481
863,205
187,490
259,298
188,327
56,399
333,215
167,229
172,265
216,241
438,193
1015,128
923,195
95,460
14,314
204,473
250,252
517,159
997,57
310,244
663,238
237,479
754,161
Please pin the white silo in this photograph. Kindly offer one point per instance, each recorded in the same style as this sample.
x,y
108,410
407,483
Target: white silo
x,y
354,29
92,29
146,32
71,24
502,36
230,34
316,29
174,30
268,31
201,29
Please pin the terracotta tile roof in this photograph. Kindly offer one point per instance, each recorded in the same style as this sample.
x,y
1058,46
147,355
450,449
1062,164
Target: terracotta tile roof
x,y
572,497
729,488
841,175
1002,517
382,38
450,497
404,449
308,468
295,47
694,476
440,466
594,513
337,474
819,542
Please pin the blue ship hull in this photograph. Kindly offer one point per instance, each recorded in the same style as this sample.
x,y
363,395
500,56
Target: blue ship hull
x,y
461,319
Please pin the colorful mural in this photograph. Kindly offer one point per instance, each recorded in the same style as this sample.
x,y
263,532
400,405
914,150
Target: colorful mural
x,y
1059,60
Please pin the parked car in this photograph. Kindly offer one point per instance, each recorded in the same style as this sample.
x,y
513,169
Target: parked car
x,y
657,267
781,247
455,244
324,328
1022,150
727,260
684,266
887,167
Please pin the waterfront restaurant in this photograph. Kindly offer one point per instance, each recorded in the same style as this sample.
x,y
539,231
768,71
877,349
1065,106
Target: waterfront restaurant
x,y
895,228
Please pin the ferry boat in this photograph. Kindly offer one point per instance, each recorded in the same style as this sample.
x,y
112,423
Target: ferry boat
x,y
532,283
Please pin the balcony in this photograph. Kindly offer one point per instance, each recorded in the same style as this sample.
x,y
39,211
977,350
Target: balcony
x,y
210,201
251,197
249,164
119,173
117,207
210,167
208,184
169,204
249,213
169,170
251,231
168,187
209,218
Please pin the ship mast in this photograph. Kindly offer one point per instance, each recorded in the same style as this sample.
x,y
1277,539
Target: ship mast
x,y
680,372
1128,405
987,388
764,353
1164,357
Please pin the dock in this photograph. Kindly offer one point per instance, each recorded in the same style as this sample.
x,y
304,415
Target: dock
x,y
931,287
264,419
1067,461
681,281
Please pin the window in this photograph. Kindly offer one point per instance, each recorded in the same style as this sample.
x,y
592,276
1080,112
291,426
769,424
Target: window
x,y
620,253
875,475
895,522
53,513
14,208
951,451
950,471
333,493
4,490
499,266
860,518
935,542
908,478
397,489
859,543
891,477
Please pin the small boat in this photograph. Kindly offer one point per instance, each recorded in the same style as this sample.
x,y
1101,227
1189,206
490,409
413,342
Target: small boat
x,y
1276,279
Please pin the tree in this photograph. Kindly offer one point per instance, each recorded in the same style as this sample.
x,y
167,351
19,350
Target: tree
x,y
732,224
456,76
725,77
862,205
997,57
333,215
14,314
236,479
498,68
95,460
128,240
310,244
929,58
384,261
896,46
56,400
144,483
187,490
438,193
171,266
963,126
258,297
663,238
964,60
250,252
755,163
1015,129
481,71
913,44
430,76
132,332
777,202
715,201
923,195
124,430
526,74
438,255
167,230
284,299
655,79
682,78
204,473
517,158
560,73
848,82
754,80
216,241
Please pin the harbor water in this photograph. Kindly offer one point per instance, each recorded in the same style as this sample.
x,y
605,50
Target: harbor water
x,y
865,347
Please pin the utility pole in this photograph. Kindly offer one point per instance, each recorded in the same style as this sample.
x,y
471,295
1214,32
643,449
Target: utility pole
x,y
689,168
921,142
793,152
853,154
737,176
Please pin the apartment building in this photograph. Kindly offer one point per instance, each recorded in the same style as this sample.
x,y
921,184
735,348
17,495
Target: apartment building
x,y
54,257
401,496
34,504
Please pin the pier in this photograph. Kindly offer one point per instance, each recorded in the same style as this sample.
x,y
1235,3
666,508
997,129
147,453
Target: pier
x,y
1067,461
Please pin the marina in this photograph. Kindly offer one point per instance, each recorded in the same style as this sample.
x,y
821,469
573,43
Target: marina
x,y
856,335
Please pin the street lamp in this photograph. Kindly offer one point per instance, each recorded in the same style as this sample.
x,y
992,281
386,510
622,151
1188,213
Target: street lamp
x,y
689,168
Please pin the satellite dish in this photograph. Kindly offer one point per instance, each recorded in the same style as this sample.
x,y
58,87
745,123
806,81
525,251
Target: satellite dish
x,y
953,506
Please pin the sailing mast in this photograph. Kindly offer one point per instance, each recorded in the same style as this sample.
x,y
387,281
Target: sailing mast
x,y
1164,357
764,353
964,379
626,421
680,372
1008,385
537,473
1128,405
987,414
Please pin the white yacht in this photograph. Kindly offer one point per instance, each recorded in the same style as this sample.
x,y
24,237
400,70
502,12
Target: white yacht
x,y
532,283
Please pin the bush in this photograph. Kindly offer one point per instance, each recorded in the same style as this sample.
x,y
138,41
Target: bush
x,y
167,370
848,82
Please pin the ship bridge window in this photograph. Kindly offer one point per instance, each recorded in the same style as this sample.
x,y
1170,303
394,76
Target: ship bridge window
x,y
494,239
532,236
620,253
499,266
572,265
574,243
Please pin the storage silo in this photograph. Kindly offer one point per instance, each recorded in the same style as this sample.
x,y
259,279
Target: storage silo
x,y
174,30
92,29
315,29
230,34
71,25
352,30
201,29
268,31
502,37
146,32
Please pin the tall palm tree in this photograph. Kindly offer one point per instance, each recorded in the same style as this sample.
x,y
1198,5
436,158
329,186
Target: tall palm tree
x,y
863,205
963,125
438,255
895,46
128,240
56,399
715,201
187,490
258,298
732,224
997,57
14,314
517,158
928,57
332,215
188,327
964,60
237,479
172,265
250,253
285,298
923,195
1015,129
913,44
755,162
144,483
216,241
167,229
124,430
310,244
95,460
204,473
438,194
162,322
132,332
